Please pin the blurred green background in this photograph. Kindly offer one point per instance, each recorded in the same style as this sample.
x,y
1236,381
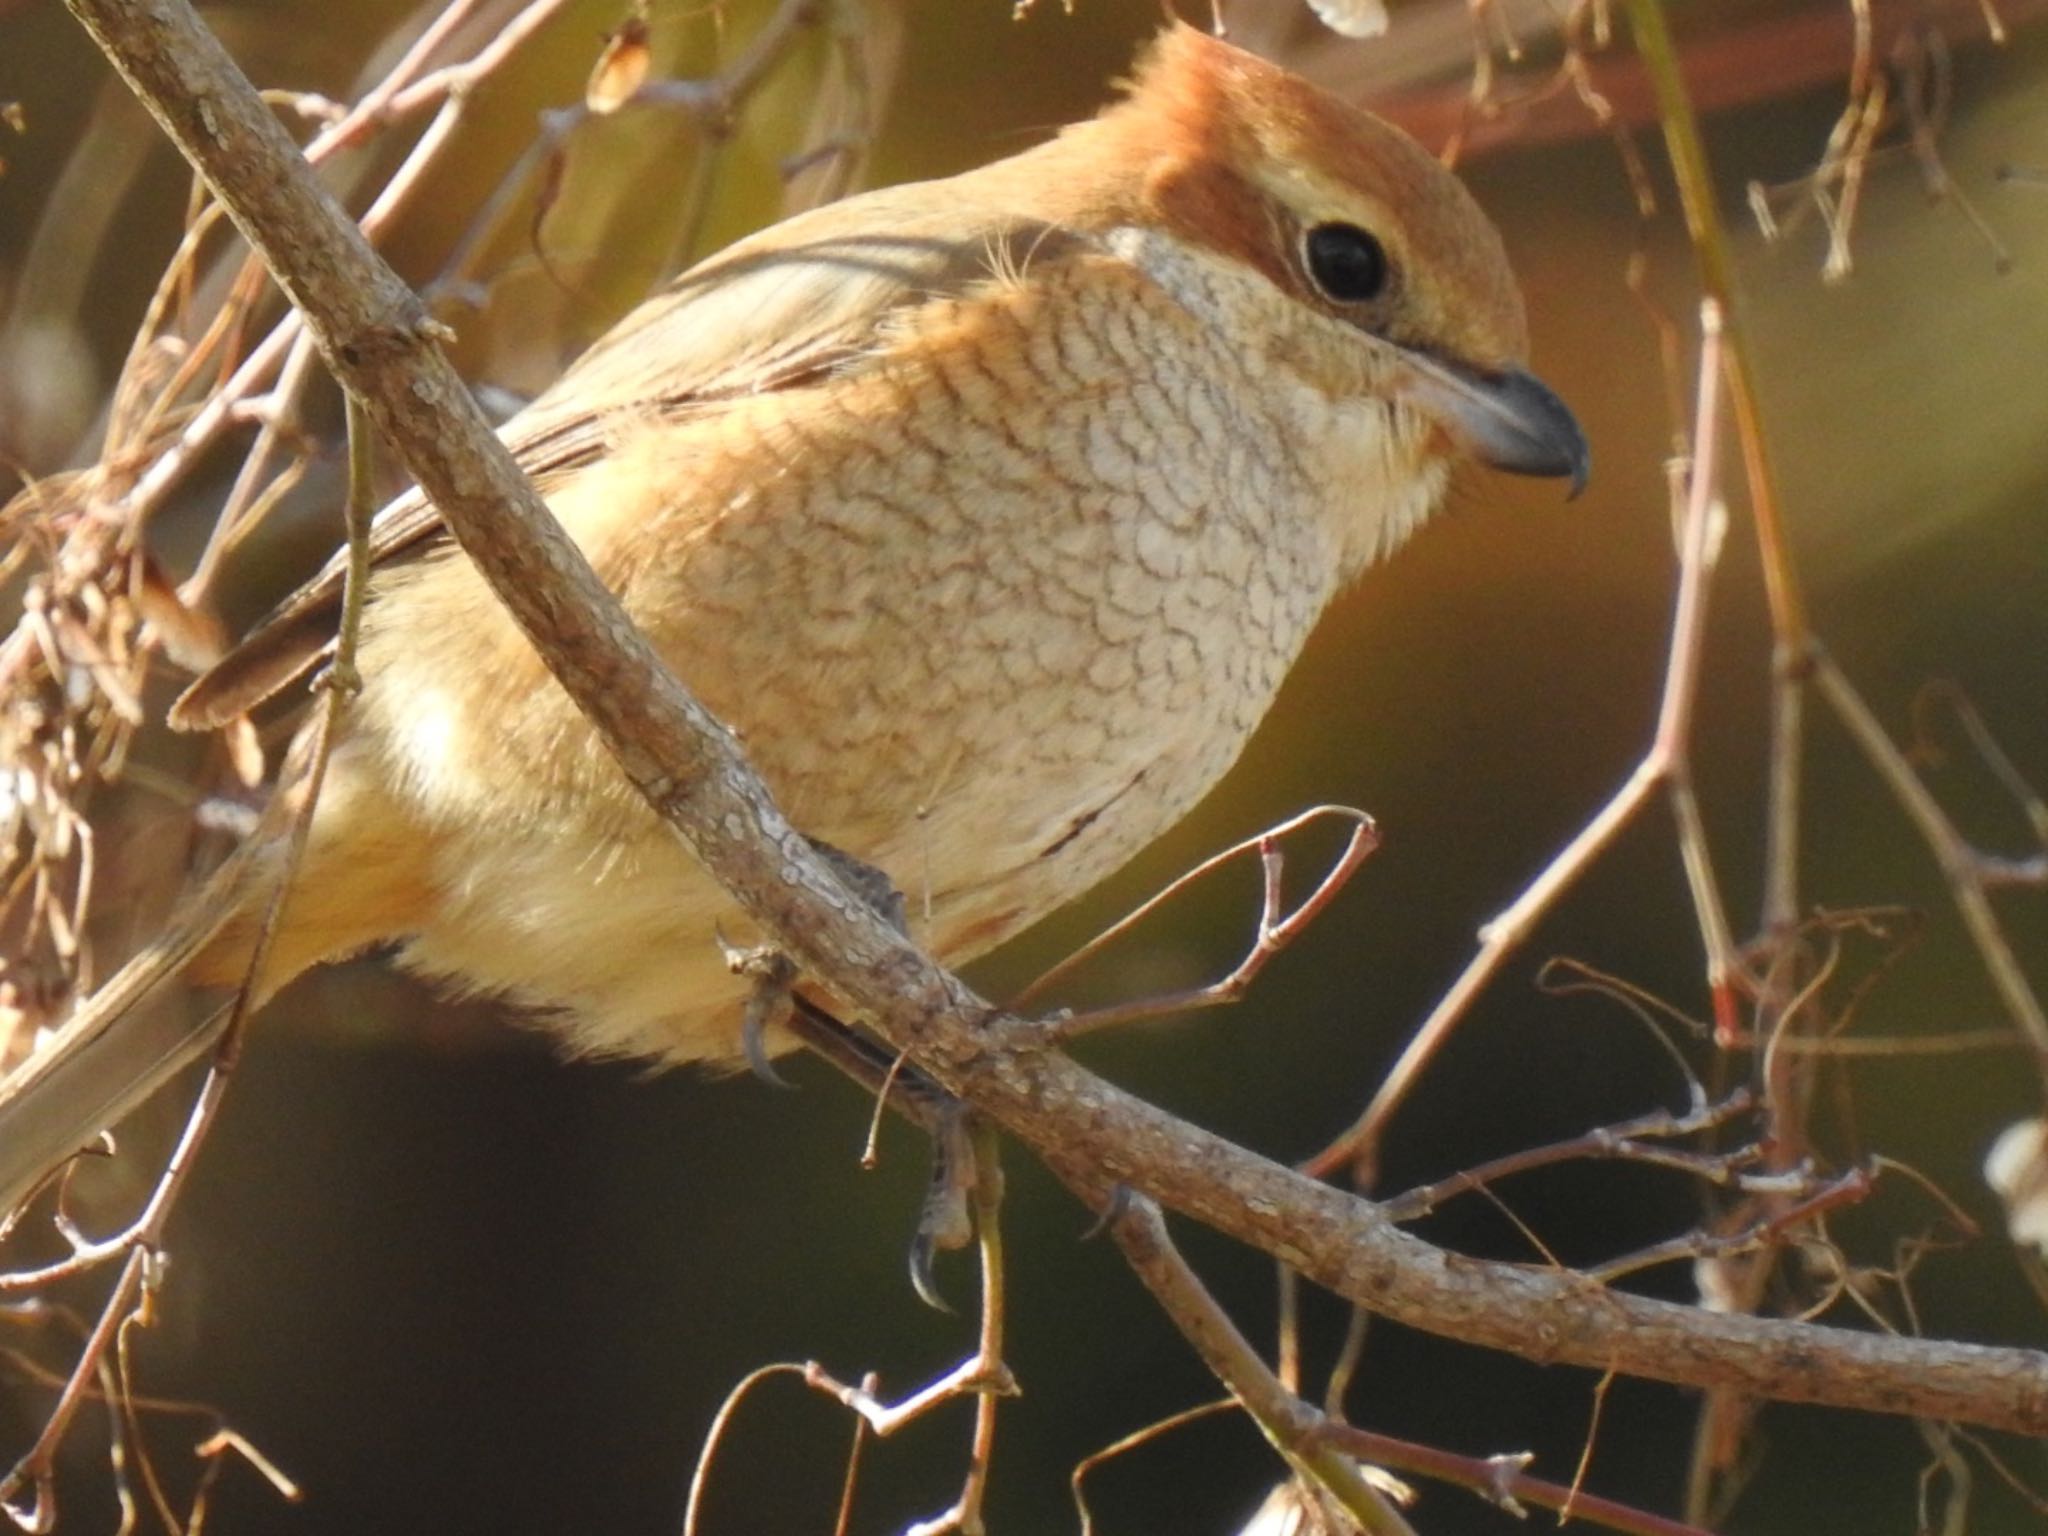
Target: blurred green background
x,y
452,1284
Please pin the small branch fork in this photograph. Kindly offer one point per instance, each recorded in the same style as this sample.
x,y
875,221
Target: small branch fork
x,y
690,771
1993,869
1639,1140
1801,1201
983,1376
1799,658
1277,927
410,88
1799,655
1331,1456
1139,1230
1645,1139
1970,875
1774,975
619,83
101,587
1911,95
186,383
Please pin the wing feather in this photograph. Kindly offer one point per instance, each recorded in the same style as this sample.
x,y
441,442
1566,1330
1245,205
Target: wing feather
x,y
800,302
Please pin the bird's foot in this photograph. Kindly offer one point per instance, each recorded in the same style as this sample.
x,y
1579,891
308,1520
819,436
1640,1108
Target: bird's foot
x,y
773,976
867,882
946,1223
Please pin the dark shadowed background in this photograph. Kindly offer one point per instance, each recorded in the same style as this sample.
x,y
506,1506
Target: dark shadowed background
x,y
453,1284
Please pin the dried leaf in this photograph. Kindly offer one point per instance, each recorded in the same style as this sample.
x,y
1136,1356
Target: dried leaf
x,y
245,751
1352,18
191,637
621,69
2016,1168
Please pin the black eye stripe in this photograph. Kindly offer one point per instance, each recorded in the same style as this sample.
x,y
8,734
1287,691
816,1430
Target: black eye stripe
x,y
1347,263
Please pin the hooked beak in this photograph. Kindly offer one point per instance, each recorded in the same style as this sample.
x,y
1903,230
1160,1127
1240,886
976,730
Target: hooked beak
x,y
1511,420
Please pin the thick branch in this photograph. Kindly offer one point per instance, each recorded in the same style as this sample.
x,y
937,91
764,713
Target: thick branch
x,y
368,326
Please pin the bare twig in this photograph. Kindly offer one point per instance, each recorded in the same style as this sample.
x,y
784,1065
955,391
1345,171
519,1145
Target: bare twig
x,y
1277,927
721,1422
1666,764
2002,767
142,1242
35,1472
1789,627
1290,1424
1503,1480
982,1376
1960,866
709,105
1134,1441
1632,1140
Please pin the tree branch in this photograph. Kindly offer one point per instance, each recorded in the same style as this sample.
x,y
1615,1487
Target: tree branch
x,y
371,331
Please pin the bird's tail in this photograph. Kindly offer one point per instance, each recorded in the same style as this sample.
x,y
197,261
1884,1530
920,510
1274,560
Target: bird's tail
x,y
121,1044
130,1037
139,1030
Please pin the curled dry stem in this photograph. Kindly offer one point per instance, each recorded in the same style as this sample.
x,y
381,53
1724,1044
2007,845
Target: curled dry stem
x,y
1277,927
1137,1439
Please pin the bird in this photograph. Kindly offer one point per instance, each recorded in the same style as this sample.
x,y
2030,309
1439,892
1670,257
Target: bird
x,y
988,512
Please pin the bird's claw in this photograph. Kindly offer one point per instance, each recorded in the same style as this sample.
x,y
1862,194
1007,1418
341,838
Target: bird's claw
x,y
1112,1212
768,1001
773,974
946,1222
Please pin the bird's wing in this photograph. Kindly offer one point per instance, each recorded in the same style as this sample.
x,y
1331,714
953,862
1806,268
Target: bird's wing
x,y
801,301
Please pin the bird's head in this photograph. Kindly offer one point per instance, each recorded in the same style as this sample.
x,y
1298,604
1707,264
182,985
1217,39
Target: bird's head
x,y
1394,273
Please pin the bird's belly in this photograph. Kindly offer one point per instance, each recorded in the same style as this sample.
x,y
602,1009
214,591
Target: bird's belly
x,y
1030,773
614,944
992,769
1001,740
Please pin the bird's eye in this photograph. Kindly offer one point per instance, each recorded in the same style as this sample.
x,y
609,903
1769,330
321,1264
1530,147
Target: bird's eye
x,y
1348,264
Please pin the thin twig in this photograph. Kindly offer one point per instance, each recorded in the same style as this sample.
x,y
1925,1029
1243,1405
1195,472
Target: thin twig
x,y
1289,1423
1665,764
143,1240
1138,1438
1503,1480
1276,928
1625,1141
1960,866
1789,627
721,1421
